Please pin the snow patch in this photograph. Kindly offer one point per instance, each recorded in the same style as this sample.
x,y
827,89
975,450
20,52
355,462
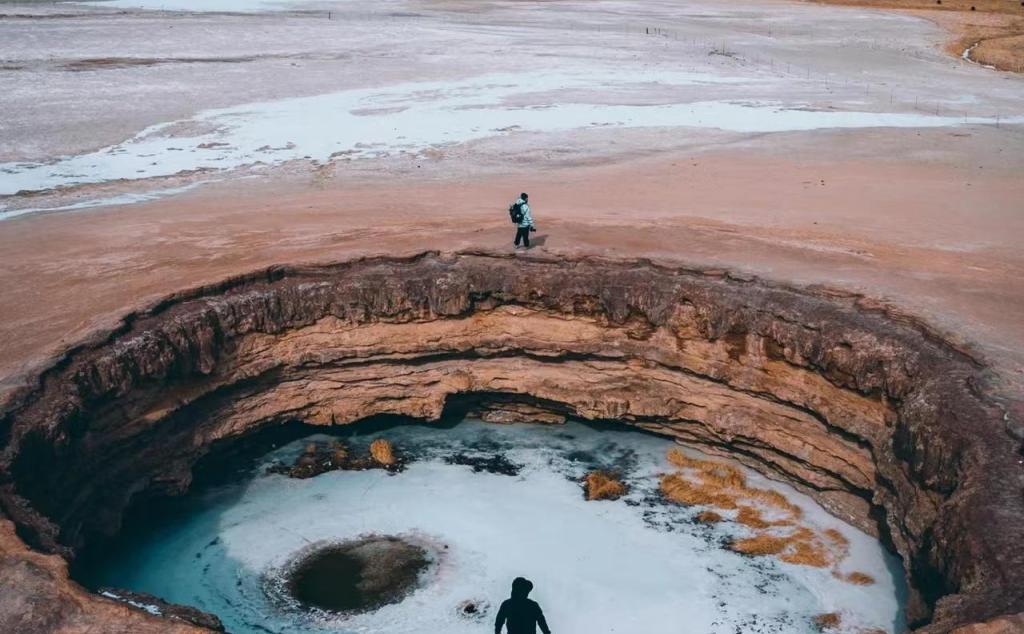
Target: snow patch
x,y
413,117
148,607
206,6
637,564
112,201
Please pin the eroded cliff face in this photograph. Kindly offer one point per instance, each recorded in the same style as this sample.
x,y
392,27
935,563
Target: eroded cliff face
x,y
882,421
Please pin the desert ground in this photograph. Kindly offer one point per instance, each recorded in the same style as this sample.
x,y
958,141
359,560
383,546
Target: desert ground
x,y
146,151
857,148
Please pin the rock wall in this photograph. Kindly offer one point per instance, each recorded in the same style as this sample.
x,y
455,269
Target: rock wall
x,y
881,420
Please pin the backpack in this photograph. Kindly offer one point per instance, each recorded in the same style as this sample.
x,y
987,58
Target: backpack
x,y
516,212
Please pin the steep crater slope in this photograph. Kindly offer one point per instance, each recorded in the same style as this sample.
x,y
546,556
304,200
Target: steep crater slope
x,y
887,425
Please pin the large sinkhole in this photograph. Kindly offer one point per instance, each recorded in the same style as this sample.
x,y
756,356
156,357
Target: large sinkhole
x,y
300,537
383,445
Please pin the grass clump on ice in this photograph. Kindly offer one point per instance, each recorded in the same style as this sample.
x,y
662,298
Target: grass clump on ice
x,y
749,516
718,484
858,578
760,545
713,473
708,517
807,552
827,622
383,452
600,485
838,539
679,489
801,547
724,487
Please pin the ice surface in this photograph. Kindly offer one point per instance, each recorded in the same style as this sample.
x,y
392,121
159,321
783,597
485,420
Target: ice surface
x,y
411,117
233,6
632,565
152,609
113,201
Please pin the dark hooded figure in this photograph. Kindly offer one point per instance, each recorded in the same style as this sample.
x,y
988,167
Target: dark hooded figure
x,y
522,614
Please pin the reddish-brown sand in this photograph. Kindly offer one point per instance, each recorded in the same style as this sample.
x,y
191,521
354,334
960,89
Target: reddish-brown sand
x,y
935,236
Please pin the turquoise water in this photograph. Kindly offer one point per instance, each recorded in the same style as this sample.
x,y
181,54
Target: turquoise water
x,y
637,564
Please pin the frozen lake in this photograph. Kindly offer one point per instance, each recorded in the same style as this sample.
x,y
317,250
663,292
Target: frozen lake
x,y
636,564
242,6
410,118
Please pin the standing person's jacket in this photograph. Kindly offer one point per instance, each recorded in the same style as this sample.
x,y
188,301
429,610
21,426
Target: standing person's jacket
x,y
527,220
523,615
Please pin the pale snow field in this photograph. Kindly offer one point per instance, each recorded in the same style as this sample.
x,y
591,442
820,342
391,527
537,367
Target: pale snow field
x,y
127,198
627,566
244,6
410,118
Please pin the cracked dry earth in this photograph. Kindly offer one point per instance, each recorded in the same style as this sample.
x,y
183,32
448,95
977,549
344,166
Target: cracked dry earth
x,y
883,422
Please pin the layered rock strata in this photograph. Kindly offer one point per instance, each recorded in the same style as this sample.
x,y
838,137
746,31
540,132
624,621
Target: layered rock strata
x,y
884,422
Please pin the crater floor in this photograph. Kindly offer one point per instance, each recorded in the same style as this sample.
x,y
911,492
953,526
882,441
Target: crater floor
x,y
636,564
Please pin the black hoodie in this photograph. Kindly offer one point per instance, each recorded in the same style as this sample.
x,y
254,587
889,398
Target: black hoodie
x,y
522,614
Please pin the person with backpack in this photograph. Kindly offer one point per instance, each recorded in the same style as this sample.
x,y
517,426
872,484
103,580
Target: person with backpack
x,y
521,218
522,615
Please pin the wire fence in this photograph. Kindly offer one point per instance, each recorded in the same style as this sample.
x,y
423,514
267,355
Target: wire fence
x,y
836,86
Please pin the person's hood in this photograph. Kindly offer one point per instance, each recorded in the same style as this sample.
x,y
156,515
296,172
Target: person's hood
x,y
521,588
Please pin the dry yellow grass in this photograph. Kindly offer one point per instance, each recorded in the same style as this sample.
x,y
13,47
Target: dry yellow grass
x,y
807,553
678,489
708,517
603,486
776,500
997,26
720,485
383,452
725,476
836,538
724,487
828,621
840,546
1009,7
1000,43
718,473
760,545
859,578
749,516
679,459
800,547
